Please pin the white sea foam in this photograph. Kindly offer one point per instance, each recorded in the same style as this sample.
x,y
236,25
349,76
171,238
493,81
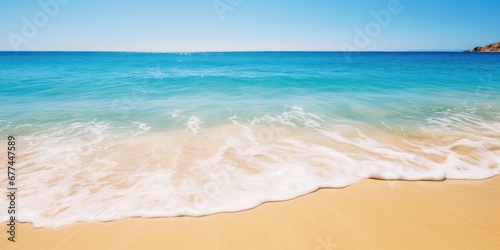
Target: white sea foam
x,y
142,128
174,113
96,172
194,123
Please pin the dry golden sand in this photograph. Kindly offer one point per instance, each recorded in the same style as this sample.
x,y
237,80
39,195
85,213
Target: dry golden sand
x,y
453,214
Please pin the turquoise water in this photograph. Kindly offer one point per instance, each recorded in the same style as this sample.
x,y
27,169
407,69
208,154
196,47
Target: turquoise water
x,y
126,87
185,133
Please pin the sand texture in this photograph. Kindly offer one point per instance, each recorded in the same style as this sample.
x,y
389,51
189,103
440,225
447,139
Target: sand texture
x,y
372,214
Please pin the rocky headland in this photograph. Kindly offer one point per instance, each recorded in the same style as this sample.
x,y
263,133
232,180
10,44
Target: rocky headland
x,y
494,47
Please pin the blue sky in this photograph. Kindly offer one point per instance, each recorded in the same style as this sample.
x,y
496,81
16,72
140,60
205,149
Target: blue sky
x,y
197,25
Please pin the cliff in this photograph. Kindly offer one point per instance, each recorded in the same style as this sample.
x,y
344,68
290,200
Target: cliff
x,y
494,47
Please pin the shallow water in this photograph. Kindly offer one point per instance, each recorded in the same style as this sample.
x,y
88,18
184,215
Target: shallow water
x,y
105,136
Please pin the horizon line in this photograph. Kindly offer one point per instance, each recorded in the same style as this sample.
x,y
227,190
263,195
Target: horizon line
x,y
234,51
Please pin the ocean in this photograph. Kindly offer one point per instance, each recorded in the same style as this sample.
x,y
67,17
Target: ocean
x,y
105,136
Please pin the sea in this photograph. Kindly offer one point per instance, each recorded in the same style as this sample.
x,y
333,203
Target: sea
x,y
103,136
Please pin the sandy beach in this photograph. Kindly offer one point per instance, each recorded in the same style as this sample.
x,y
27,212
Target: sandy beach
x,y
372,214
234,125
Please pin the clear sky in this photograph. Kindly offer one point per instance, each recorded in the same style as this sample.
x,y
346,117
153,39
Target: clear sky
x,y
228,25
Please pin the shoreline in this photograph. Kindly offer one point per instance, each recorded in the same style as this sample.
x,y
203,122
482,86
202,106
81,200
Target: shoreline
x,y
222,168
380,214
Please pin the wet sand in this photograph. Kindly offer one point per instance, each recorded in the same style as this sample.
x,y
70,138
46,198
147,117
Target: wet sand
x,y
372,214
